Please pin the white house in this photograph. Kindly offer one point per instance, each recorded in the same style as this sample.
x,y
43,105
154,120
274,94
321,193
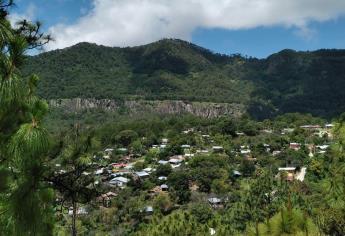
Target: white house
x,y
162,178
162,162
245,151
164,187
217,148
175,161
80,211
186,146
165,140
142,174
119,181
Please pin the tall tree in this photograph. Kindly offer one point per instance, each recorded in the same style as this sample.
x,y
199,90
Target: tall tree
x,y
24,197
75,184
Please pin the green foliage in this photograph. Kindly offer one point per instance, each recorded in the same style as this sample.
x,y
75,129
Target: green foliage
x,y
202,212
126,137
139,165
285,224
288,81
179,182
177,223
163,170
25,198
163,203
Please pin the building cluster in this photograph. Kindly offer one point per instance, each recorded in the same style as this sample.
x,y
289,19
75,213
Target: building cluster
x,y
115,176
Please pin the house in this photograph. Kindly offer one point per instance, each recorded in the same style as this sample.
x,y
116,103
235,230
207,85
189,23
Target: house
x,y
202,151
188,131
162,178
142,174
164,187
322,147
117,166
245,151
295,146
277,152
99,171
148,169
128,167
301,175
310,127
165,141
120,174
217,148
109,151
189,155
329,126
62,171
119,181
126,159
149,210
175,161
290,172
122,150
215,202
162,162
185,146
175,166
236,173
287,130
80,211
239,133
105,199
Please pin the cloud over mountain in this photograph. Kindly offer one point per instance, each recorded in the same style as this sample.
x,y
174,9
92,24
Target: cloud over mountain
x,y
135,22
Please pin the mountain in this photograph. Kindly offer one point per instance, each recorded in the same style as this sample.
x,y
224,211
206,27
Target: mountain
x,y
170,69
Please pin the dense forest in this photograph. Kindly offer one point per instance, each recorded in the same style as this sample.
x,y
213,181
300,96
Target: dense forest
x,y
288,81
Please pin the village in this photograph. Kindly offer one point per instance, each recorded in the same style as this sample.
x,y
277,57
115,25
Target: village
x,y
116,169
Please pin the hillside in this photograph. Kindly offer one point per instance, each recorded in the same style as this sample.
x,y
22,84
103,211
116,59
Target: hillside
x,y
287,81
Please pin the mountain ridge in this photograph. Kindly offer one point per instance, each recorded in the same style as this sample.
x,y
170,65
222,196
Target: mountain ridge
x,y
170,69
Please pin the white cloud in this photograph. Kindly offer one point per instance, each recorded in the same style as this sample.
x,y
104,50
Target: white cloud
x,y
27,15
135,22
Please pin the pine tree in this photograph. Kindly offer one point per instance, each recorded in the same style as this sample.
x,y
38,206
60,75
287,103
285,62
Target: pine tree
x,y
75,184
24,197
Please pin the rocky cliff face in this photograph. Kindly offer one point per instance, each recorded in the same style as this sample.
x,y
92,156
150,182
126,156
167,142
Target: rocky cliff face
x,y
202,109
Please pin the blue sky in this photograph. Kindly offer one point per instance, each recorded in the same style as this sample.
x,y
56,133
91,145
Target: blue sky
x,y
225,26
263,41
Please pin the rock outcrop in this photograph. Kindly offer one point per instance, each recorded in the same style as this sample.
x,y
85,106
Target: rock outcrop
x,y
202,109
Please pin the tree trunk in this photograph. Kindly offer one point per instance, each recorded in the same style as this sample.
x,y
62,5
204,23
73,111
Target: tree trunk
x,y
256,228
268,224
74,218
283,220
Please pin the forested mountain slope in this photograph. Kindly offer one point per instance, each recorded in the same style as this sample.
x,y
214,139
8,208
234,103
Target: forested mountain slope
x,y
287,81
